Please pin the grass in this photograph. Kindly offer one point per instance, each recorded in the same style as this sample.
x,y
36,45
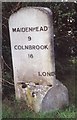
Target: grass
x,y
14,109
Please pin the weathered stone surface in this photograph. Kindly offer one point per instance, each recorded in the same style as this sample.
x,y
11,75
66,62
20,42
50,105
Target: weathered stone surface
x,y
31,33
56,98
32,46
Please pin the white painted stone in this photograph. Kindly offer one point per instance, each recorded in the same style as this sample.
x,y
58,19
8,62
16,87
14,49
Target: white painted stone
x,y
41,66
32,46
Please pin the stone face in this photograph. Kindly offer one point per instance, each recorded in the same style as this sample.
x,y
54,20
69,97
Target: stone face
x,y
32,46
31,34
56,97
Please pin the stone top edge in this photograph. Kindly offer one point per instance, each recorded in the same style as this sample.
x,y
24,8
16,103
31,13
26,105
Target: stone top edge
x,y
43,9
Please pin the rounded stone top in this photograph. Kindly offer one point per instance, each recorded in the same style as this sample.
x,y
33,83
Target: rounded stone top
x,y
44,10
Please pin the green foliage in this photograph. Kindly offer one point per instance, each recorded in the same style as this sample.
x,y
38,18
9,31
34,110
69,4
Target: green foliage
x,y
7,112
65,113
20,110
68,113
